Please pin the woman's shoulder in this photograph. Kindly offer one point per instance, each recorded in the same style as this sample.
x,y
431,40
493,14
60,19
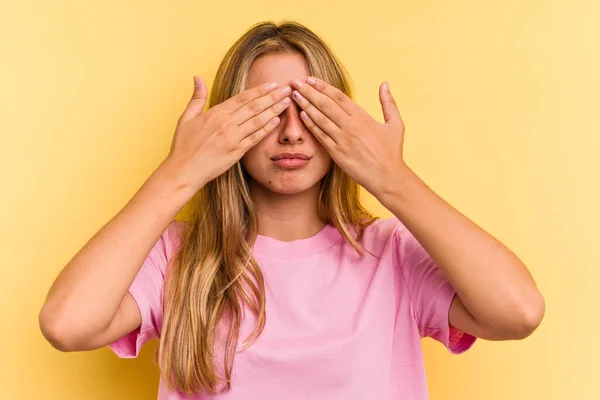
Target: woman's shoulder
x,y
173,235
378,233
382,228
177,227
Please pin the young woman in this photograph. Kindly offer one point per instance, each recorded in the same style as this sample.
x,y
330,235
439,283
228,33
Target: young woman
x,y
280,285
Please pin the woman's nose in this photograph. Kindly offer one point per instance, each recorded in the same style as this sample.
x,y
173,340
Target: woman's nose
x,y
292,129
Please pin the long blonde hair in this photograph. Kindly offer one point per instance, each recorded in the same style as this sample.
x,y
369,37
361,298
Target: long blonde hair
x,y
213,275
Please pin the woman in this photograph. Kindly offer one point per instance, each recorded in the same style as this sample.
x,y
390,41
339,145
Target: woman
x,y
279,268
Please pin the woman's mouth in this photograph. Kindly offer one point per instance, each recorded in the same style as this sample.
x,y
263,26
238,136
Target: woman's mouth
x,y
290,162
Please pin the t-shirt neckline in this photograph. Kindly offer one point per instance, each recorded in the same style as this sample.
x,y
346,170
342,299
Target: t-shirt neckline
x,y
322,240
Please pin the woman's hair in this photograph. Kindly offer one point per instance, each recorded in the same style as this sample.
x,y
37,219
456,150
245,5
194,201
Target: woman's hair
x,y
213,276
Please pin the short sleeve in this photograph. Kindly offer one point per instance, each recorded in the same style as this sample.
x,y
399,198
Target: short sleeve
x,y
430,292
147,291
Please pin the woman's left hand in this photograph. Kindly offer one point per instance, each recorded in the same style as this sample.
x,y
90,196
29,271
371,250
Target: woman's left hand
x,y
368,151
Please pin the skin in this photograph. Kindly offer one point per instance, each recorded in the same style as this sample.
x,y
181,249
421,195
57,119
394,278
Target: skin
x,y
285,199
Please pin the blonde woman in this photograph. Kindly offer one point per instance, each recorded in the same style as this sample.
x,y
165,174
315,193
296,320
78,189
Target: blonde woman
x,y
280,285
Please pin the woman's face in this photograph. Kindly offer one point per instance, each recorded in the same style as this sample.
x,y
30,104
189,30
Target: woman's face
x,y
290,136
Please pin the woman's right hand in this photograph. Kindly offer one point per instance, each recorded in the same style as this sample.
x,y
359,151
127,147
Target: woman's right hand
x,y
206,144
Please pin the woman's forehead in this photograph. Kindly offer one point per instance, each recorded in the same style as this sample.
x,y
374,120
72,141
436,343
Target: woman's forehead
x,y
277,67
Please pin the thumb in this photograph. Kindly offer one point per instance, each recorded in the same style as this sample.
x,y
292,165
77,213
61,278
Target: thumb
x,y
388,104
198,100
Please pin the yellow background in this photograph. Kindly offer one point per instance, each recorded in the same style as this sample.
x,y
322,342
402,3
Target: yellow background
x,y
500,101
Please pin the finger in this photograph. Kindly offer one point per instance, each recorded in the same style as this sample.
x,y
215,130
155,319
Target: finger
x,y
326,140
198,100
241,99
255,137
323,102
257,122
260,104
341,98
388,104
317,116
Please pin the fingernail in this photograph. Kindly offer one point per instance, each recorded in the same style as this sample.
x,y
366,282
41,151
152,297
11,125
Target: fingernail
x,y
311,80
386,86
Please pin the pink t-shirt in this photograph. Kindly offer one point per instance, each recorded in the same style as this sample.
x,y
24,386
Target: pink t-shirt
x,y
337,327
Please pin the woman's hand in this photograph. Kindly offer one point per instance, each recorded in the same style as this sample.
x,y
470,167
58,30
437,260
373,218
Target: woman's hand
x,y
368,151
206,144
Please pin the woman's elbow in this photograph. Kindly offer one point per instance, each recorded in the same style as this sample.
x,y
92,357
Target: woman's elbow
x,y
56,332
528,318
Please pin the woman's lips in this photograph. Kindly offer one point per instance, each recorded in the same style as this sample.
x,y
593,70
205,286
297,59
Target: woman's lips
x,y
290,162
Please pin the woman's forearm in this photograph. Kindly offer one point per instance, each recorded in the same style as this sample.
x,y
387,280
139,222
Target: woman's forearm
x,y
491,281
87,293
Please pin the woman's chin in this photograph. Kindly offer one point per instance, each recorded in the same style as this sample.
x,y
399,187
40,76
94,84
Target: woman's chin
x,y
289,186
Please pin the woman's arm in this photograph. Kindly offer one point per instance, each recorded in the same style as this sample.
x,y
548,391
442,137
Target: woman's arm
x,y
85,302
500,298
497,298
